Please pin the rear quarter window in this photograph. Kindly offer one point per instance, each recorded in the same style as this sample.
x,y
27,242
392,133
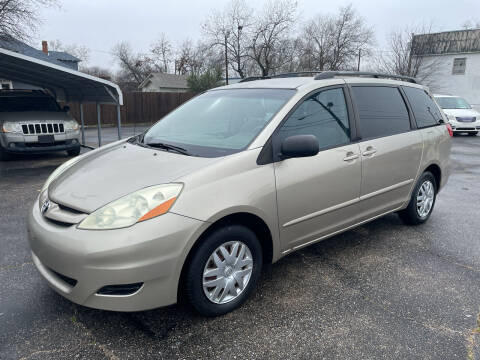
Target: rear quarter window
x,y
381,110
424,109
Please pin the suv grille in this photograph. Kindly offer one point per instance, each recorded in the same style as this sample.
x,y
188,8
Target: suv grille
x,y
45,128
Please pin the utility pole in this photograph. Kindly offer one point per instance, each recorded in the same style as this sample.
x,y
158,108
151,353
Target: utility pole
x,y
227,33
359,55
240,27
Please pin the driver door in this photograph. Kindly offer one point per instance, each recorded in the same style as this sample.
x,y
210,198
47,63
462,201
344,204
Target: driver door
x,y
318,195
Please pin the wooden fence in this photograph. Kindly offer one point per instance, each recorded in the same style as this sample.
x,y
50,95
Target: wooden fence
x,y
138,108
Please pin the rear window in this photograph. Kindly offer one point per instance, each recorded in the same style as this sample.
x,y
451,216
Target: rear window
x,y
425,110
382,111
27,103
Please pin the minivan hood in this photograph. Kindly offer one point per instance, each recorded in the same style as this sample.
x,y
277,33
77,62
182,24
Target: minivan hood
x,y
23,116
105,175
461,112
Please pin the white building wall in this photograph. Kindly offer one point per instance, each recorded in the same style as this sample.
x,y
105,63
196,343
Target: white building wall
x,y
442,81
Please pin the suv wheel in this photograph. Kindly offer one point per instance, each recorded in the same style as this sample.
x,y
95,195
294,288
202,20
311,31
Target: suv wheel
x,y
224,270
422,201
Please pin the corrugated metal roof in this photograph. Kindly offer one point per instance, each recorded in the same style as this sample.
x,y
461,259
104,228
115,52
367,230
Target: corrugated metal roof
x,y
67,84
448,42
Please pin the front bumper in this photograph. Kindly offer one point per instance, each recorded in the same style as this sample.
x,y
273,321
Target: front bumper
x,y
29,144
151,252
458,126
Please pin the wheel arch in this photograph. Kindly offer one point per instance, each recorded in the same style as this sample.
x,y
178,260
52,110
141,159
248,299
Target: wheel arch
x,y
247,219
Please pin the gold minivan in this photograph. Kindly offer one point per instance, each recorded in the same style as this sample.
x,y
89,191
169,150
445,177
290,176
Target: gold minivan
x,y
239,176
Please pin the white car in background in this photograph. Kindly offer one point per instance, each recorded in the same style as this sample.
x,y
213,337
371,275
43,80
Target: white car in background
x,y
460,114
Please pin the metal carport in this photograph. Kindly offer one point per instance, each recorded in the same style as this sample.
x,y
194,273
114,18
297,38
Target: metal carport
x,y
65,84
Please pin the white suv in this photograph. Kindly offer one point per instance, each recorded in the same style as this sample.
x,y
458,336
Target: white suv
x,y
460,114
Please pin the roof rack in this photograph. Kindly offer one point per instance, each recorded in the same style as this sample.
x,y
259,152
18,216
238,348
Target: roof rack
x,y
331,74
322,75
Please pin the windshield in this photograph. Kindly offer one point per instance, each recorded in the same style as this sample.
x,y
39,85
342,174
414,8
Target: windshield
x,y
219,122
452,103
27,103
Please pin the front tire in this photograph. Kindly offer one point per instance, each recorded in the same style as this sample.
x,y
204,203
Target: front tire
x,y
422,201
224,270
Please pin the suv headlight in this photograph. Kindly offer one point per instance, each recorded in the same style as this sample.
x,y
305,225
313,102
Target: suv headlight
x,y
71,125
11,127
56,173
139,206
451,118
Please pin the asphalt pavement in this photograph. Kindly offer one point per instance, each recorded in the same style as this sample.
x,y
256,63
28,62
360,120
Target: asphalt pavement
x,y
381,291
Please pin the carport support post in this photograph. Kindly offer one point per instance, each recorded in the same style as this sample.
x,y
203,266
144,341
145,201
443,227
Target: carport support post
x,y
119,122
99,127
83,123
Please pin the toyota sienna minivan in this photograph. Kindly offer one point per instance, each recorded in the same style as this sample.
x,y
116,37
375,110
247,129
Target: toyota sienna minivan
x,y
237,177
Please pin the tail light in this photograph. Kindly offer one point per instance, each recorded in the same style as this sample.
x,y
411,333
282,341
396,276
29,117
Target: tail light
x,y
450,131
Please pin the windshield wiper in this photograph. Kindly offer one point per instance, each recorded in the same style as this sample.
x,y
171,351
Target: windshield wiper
x,y
169,147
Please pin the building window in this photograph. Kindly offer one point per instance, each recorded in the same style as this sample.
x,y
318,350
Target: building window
x,y
459,65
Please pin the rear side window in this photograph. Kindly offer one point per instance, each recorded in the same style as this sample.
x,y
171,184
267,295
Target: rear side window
x,y
425,110
325,115
382,111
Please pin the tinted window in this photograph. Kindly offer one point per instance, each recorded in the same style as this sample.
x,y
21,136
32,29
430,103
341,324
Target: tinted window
x,y
324,115
27,103
424,108
382,111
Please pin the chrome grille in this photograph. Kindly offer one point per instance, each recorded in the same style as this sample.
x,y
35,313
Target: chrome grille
x,y
43,128
466,119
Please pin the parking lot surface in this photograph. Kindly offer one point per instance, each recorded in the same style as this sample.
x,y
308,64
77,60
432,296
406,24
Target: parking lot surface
x,y
383,290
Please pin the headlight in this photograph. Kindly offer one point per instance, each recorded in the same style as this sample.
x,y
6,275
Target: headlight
x,y
451,118
71,125
139,206
11,127
56,173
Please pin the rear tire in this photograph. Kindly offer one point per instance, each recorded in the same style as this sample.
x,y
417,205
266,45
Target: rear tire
x,y
74,152
474,133
232,255
422,201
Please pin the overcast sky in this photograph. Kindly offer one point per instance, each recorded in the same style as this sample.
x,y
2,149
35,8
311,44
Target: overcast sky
x,y
100,24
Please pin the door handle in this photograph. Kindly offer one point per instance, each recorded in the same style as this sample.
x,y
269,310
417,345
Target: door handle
x,y
369,151
350,156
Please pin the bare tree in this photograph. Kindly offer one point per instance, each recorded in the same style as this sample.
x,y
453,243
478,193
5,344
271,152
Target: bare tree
x,y
134,67
19,18
197,59
162,52
270,34
406,55
351,35
318,43
79,51
97,71
471,24
228,30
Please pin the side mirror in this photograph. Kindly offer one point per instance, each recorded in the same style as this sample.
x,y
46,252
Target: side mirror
x,y
66,108
300,146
